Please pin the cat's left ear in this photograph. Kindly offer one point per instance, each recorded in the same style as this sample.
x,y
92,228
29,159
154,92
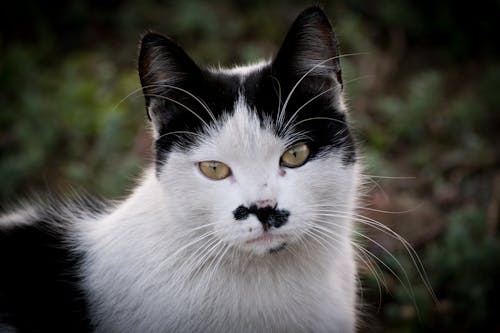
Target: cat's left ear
x,y
164,69
310,47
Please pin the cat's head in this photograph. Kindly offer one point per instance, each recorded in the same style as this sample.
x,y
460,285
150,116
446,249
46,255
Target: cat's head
x,y
256,155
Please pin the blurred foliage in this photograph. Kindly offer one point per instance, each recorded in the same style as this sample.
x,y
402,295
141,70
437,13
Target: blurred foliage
x,y
65,125
424,99
463,271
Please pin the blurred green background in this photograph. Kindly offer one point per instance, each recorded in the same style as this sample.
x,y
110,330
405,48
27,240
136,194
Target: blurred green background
x,y
424,99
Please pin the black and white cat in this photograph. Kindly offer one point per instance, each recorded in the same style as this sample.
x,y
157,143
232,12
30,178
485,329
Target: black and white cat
x,y
242,224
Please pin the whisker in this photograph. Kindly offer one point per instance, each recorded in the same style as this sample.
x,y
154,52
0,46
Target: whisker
x,y
181,104
135,91
317,118
320,241
296,137
187,232
366,262
281,114
373,269
199,100
217,259
279,92
304,105
206,256
389,177
386,230
178,251
291,250
381,189
362,77
365,208
305,246
179,132
197,258
407,285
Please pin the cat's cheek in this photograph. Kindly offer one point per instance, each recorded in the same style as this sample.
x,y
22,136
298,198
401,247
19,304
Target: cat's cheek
x,y
232,180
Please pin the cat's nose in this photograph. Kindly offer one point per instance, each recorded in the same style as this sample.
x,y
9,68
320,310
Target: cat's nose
x,y
269,216
269,203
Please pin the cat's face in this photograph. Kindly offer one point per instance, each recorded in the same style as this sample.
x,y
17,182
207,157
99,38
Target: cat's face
x,y
253,157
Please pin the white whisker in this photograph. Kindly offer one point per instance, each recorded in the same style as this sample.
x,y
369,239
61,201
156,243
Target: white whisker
x,y
389,177
279,93
199,266
199,100
292,118
318,118
367,263
406,285
126,97
281,114
386,230
179,132
362,77
181,104
217,261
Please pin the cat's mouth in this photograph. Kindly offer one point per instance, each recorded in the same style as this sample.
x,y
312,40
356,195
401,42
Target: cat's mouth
x,y
266,238
268,242
278,248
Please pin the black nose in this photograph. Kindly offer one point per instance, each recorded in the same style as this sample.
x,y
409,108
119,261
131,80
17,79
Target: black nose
x,y
268,216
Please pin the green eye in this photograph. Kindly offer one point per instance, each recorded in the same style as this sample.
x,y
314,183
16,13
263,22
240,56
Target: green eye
x,y
295,156
214,170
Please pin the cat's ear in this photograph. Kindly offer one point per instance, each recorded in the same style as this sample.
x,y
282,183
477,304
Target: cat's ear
x,y
310,47
164,68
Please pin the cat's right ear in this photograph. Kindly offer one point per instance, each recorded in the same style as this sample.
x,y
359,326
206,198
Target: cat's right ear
x,y
310,48
164,68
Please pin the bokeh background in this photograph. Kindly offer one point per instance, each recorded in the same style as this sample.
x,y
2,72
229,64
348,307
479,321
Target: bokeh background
x,y
424,98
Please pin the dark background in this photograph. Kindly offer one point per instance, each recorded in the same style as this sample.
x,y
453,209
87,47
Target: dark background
x,y
424,99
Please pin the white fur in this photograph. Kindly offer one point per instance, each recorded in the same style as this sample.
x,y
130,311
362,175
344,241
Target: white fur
x,y
24,216
171,258
242,71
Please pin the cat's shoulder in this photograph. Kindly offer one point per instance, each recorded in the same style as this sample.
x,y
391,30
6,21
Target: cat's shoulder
x,y
40,280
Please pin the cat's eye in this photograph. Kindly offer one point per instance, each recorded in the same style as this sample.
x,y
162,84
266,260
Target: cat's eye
x,y
214,170
295,156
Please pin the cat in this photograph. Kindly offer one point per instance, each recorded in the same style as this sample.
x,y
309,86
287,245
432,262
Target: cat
x,y
236,226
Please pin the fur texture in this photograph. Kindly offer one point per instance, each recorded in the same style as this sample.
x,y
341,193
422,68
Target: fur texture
x,y
185,253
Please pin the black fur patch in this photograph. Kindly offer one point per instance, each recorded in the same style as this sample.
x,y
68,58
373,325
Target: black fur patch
x,y
170,79
268,216
39,280
218,92
241,213
326,129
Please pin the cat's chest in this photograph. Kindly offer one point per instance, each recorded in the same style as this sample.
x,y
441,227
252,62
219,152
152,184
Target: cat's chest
x,y
226,305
